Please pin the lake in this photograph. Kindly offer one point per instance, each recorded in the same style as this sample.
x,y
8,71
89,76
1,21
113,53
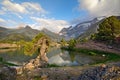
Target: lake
x,y
55,56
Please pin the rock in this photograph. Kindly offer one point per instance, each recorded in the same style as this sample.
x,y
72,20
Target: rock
x,y
31,69
110,47
103,72
44,77
29,66
19,70
7,73
103,55
103,66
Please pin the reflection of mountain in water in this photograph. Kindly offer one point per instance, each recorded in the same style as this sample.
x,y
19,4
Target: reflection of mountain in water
x,y
66,58
60,60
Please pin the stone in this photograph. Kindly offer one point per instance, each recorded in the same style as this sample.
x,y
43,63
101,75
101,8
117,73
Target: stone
x,y
103,66
110,47
44,77
19,70
7,73
29,66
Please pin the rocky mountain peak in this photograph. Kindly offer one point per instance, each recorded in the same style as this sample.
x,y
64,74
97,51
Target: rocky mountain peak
x,y
27,27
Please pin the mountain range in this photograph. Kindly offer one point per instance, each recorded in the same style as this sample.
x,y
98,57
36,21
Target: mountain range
x,y
81,29
26,33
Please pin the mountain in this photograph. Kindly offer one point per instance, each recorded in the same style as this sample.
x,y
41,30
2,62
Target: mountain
x,y
92,29
2,30
26,33
53,36
15,37
81,28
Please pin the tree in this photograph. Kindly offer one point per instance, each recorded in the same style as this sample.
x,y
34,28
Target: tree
x,y
36,43
108,29
72,43
63,42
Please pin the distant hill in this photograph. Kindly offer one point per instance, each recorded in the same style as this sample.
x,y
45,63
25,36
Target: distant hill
x,y
3,32
26,33
53,36
15,37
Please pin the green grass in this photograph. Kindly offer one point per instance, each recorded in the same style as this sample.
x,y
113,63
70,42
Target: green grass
x,y
52,65
6,63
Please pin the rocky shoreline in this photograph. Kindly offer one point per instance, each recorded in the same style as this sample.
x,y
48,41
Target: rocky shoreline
x,y
110,71
103,72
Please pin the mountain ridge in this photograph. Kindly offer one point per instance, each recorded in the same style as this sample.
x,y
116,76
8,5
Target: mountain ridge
x,y
79,29
25,33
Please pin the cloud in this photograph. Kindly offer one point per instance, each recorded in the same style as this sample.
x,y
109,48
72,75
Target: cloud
x,y
2,20
33,7
50,24
23,8
13,7
100,7
5,23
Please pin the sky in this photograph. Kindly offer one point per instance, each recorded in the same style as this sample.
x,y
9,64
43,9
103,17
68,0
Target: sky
x,y
53,14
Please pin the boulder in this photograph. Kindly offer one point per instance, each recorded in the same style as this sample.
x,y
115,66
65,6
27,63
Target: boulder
x,y
7,73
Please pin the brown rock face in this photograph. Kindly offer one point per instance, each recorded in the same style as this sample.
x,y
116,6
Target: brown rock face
x,y
41,59
43,50
33,67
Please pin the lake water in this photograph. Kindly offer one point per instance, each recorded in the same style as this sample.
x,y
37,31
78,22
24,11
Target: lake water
x,y
55,56
65,58
16,56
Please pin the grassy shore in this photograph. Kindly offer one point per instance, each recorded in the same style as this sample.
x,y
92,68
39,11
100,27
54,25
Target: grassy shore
x,y
105,56
2,61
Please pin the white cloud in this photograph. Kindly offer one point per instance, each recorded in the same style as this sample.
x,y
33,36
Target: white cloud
x,y
50,24
33,7
13,7
100,7
2,20
5,23
25,7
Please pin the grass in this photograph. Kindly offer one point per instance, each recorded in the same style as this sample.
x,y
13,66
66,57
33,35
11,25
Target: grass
x,y
52,65
6,63
106,56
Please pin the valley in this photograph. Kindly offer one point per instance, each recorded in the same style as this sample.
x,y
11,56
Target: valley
x,y
88,51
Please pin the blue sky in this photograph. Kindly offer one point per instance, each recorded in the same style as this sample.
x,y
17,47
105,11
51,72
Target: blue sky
x,y
53,14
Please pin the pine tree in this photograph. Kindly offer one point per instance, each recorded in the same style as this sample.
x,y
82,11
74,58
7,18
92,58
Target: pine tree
x,y
108,29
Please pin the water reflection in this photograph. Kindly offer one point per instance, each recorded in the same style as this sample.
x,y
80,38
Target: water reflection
x,y
6,50
65,58
55,56
16,55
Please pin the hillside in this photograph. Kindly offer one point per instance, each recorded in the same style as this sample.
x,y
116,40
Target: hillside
x,y
93,29
53,36
15,37
26,33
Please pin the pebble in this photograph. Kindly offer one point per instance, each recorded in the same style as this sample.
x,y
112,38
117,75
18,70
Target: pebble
x,y
100,73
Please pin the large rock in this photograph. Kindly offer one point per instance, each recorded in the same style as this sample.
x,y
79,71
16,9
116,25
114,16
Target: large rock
x,y
32,69
103,72
7,73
